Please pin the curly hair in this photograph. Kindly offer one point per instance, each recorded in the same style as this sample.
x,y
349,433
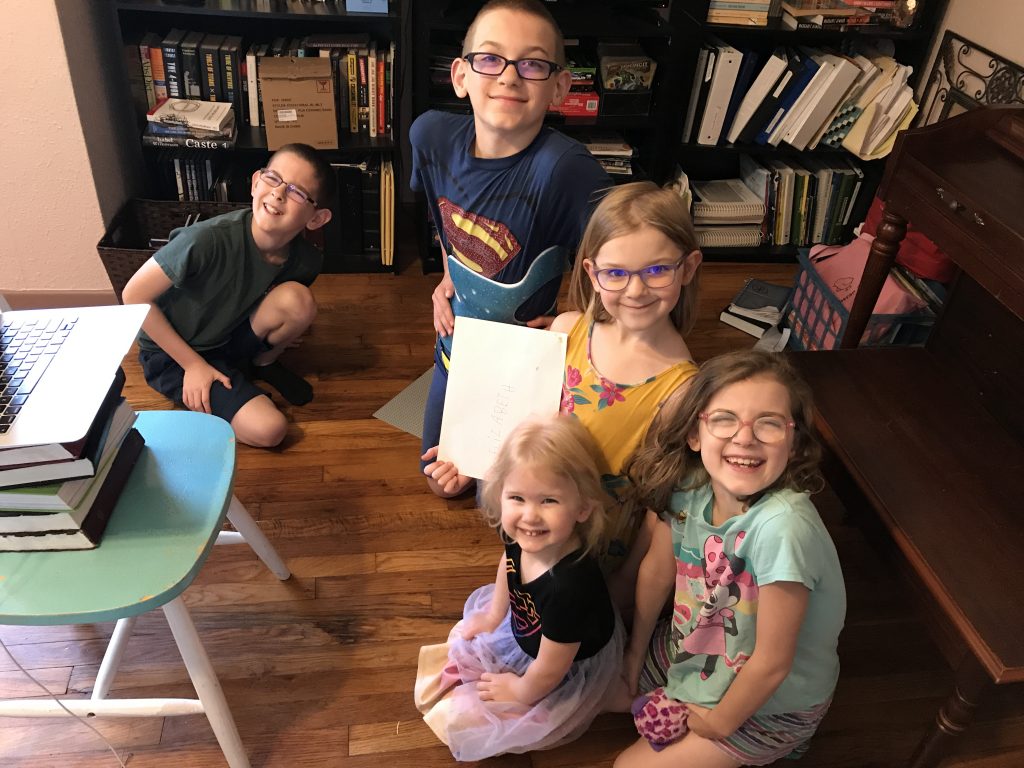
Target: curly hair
x,y
560,445
665,462
624,210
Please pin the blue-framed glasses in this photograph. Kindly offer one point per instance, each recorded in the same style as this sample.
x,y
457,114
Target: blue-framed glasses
x,y
654,276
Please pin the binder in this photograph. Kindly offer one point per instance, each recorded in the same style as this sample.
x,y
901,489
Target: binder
x,y
822,103
783,202
805,69
796,112
739,90
763,86
698,94
387,213
762,182
727,68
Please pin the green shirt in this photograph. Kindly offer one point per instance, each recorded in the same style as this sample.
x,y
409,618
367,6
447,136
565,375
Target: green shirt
x,y
719,573
218,277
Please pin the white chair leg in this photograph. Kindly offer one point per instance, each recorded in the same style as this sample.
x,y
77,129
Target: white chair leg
x,y
206,684
112,657
255,538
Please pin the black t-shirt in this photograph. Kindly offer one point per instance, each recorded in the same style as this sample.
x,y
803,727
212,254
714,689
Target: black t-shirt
x,y
568,604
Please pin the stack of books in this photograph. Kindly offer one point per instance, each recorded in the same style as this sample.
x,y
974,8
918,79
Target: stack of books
x,y
612,151
743,12
726,213
757,307
60,496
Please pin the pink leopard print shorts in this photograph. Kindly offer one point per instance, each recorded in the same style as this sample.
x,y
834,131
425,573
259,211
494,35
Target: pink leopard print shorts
x,y
659,719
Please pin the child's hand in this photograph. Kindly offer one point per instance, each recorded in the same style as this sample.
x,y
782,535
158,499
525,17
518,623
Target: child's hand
x,y
445,474
701,722
504,686
478,624
195,386
444,318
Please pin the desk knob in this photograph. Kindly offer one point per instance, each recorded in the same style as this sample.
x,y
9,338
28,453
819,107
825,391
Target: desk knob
x,y
955,206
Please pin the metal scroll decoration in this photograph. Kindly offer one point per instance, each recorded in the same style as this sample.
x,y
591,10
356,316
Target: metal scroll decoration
x,y
965,76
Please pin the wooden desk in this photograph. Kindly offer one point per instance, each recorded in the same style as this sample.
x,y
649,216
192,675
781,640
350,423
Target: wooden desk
x,y
933,438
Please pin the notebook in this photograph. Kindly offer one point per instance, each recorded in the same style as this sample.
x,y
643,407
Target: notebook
x,y
725,201
56,366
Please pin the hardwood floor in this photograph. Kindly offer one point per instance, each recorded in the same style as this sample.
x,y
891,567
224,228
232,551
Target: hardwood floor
x,y
319,670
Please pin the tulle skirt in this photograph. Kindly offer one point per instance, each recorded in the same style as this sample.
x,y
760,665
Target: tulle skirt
x,y
446,691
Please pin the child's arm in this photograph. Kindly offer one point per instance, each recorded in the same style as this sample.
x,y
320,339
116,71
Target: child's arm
x,y
564,322
489,621
444,318
780,613
541,678
654,583
144,287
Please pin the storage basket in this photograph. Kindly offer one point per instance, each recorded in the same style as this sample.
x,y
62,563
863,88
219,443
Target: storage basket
x,y
125,246
817,318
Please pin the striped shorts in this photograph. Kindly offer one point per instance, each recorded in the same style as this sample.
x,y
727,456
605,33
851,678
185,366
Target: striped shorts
x,y
760,740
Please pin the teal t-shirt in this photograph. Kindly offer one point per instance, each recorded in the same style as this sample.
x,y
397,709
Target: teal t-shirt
x,y
218,277
719,572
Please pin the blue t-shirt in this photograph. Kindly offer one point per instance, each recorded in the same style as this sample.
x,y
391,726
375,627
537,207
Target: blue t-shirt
x,y
719,573
498,214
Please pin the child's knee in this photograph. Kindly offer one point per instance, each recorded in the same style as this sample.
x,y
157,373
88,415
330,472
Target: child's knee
x,y
295,301
260,427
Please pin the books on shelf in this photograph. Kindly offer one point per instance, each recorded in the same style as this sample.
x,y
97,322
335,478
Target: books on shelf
x,y
725,201
82,526
202,115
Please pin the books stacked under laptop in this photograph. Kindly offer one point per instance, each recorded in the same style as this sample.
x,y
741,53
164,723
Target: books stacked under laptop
x,y
757,307
59,496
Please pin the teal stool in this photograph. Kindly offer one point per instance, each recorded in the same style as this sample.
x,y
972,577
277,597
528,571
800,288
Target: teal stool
x,y
164,525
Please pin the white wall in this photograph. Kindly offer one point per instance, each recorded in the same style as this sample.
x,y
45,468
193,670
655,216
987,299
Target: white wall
x,y
993,24
66,150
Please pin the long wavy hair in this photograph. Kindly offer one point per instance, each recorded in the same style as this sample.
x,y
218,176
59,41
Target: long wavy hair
x,y
622,211
665,462
560,445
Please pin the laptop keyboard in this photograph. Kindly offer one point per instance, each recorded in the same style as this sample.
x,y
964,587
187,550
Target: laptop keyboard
x,y
26,349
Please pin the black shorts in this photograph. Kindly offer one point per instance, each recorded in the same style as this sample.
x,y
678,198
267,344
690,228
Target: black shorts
x,y
164,374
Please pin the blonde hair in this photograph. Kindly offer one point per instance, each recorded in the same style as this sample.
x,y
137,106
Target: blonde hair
x,y
666,463
622,211
531,7
560,445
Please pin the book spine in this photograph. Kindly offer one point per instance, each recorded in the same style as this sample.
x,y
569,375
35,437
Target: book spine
x,y
381,93
371,92
353,88
156,61
191,70
147,74
253,85
171,70
232,92
189,142
363,93
389,114
209,78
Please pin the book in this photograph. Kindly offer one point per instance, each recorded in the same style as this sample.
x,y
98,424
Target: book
x,y
230,72
189,140
725,201
728,236
783,202
352,71
211,78
191,66
759,300
67,495
371,90
762,182
381,92
171,46
607,144
756,328
147,71
253,84
113,417
83,527
208,116
726,70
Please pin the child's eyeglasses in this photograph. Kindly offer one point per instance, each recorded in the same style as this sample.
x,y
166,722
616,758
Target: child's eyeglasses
x,y
725,425
493,65
273,179
654,276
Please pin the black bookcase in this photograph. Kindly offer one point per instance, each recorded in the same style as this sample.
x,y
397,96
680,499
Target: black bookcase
x,y
688,20
262,21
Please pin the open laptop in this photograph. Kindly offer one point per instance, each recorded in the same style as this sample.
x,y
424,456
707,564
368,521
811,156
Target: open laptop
x,y
55,367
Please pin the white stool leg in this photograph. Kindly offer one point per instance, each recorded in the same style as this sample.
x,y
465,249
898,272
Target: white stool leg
x,y
112,657
254,536
206,684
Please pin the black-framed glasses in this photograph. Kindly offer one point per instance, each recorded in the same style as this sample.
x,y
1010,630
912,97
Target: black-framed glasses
x,y
654,276
725,425
492,64
273,179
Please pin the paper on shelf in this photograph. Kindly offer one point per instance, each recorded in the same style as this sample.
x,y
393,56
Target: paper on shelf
x,y
500,374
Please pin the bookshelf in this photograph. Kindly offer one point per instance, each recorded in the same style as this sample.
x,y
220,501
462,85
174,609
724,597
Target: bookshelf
x,y
262,21
688,19
438,30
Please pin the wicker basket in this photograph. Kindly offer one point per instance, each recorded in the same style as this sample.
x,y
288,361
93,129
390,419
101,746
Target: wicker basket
x,y
818,318
125,247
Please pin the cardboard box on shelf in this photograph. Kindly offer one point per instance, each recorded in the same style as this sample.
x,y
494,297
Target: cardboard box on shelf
x,y
298,101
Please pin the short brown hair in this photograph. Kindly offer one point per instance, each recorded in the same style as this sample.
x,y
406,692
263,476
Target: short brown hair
x,y
666,463
531,7
623,210
561,445
326,184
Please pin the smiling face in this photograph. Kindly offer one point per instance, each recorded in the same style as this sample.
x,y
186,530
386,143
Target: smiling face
x,y
742,466
639,307
276,217
540,510
507,109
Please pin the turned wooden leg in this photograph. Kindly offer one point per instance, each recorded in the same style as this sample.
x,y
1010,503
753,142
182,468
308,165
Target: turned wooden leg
x,y
881,257
955,715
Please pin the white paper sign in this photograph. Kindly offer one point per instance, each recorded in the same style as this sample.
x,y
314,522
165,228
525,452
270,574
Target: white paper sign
x,y
499,375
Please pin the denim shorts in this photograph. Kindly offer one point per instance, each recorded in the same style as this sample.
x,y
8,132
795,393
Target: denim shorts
x,y
164,374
